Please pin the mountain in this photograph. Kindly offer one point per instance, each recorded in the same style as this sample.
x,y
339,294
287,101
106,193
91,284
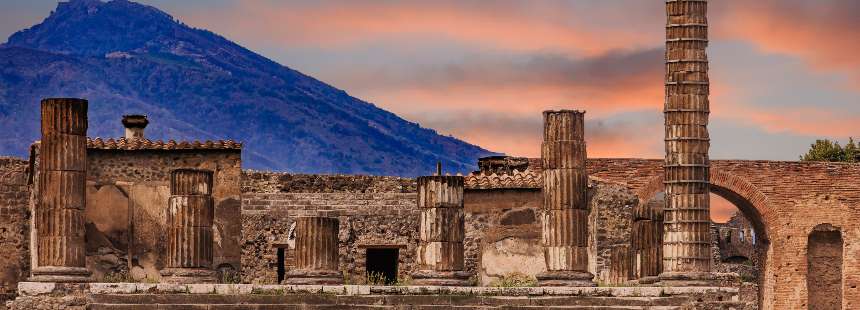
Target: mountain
x,y
126,57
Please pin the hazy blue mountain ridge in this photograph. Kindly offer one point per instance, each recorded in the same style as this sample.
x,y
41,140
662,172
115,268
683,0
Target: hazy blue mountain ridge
x,y
130,58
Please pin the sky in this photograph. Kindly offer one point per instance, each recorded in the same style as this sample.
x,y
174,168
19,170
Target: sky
x,y
783,72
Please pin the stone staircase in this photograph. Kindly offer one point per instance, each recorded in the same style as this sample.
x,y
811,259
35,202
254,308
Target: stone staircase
x,y
126,296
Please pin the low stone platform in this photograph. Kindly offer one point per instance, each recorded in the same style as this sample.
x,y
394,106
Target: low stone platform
x,y
33,295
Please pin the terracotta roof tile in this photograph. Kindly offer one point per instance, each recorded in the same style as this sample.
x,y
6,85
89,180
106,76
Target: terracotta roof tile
x,y
524,179
146,144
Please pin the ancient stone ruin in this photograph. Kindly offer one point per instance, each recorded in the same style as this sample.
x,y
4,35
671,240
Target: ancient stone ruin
x,y
125,223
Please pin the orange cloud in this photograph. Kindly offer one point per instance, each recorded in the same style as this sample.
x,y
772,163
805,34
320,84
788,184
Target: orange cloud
x,y
520,58
823,33
721,209
505,26
809,121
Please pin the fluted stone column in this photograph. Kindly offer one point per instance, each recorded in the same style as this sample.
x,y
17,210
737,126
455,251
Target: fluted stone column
x,y
565,214
686,241
316,252
647,241
59,211
442,230
190,214
620,264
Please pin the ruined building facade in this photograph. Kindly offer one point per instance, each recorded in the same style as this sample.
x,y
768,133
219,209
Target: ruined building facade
x,y
138,211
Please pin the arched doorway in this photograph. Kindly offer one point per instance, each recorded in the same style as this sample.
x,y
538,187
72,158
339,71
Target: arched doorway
x,y
749,203
824,268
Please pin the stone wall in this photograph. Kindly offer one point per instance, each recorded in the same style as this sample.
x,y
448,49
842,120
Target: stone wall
x,y
735,249
503,233
367,220
502,225
14,225
280,182
127,193
610,225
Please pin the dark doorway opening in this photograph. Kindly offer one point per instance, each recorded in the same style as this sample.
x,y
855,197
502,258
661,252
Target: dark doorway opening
x,y
381,264
282,268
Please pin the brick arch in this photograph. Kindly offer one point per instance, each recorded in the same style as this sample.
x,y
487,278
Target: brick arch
x,y
743,194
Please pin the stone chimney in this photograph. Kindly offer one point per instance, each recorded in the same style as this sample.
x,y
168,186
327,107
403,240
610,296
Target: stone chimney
x,y
134,125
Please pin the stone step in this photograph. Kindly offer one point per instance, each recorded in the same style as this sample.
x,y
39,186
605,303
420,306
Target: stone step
x,y
385,300
105,306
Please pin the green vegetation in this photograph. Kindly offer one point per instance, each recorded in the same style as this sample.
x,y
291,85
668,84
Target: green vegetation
x,y
230,277
403,281
514,279
375,278
826,150
117,277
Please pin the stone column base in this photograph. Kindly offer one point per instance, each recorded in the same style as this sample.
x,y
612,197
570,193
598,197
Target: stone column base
x,y
442,278
314,277
647,280
565,278
188,275
687,279
61,274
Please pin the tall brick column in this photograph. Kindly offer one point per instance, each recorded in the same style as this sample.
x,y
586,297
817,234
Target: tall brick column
x,y
442,230
686,242
59,211
190,213
647,241
316,253
565,214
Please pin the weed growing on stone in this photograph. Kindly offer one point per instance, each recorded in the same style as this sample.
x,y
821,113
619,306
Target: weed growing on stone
x,y
403,281
514,279
375,278
230,277
117,277
257,291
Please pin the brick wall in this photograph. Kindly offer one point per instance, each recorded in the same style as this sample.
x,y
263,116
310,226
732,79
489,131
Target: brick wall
x,y
14,225
784,201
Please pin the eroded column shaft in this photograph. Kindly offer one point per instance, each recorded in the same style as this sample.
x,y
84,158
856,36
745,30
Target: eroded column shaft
x,y
316,251
442,231
59,212
565,214
316,243
620,264
190,215
647,242
686,241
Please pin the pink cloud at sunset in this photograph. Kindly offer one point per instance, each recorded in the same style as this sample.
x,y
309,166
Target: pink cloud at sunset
x,y
434,62
823,33
782,71
507,25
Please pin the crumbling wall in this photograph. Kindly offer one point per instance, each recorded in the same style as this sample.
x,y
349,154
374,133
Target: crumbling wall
x,y
127,193
610,225
280,182
503,233
374,212
503,229
14,225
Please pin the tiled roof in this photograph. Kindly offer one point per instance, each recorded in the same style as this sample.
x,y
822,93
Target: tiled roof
x,y
517,179
146,144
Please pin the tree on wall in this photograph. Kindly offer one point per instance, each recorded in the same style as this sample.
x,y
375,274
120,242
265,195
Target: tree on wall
x,y
826,150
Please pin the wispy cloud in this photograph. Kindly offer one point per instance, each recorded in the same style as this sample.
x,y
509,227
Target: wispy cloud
x,y
823,33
